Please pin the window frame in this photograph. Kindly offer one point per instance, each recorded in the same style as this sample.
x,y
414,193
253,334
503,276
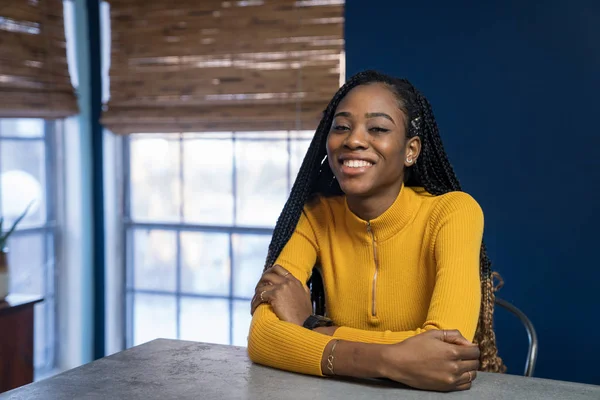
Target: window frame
x,y
49,232
129,226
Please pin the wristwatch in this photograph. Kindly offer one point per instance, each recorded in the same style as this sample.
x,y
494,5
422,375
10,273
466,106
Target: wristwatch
x,y
316,321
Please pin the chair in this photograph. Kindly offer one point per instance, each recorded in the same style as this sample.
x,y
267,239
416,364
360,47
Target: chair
x,y
319,307
531,335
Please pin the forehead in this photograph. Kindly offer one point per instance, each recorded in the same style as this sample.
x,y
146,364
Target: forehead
x,y
375,97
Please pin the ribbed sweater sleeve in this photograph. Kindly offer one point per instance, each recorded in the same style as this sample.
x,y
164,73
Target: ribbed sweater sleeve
x,y
280,344
457,230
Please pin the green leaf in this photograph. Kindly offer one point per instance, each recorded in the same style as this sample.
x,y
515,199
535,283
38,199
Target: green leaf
x,y
14,226
1,234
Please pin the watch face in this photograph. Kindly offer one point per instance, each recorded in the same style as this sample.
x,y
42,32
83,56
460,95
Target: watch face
x,y
316,321
325,321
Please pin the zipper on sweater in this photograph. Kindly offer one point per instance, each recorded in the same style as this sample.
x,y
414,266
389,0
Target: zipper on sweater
x,y
376,259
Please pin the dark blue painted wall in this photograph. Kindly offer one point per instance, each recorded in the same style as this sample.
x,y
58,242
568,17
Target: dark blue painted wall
x,y
516,92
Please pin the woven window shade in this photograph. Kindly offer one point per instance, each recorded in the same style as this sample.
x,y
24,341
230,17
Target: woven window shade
x,y
198,66
34,76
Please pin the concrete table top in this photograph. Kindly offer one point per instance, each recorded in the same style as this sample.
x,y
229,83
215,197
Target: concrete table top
x,y
176,369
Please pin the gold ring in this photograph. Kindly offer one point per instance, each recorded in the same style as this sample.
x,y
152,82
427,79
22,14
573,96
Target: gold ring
x,y
286,274
261,295
444,335
470,377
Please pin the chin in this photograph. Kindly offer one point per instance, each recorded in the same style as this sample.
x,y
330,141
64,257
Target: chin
x,y
358,189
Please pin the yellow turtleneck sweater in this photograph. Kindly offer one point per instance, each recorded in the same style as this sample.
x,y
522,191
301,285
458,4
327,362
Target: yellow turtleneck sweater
x,y
412,269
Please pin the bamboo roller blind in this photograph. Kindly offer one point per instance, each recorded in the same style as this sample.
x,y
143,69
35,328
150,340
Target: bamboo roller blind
x,y
34,76
198,66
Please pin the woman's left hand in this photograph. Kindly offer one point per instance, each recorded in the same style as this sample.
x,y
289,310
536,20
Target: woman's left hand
x,y
289,298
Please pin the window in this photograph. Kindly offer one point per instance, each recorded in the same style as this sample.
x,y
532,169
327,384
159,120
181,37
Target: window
x,y
199,213
27,172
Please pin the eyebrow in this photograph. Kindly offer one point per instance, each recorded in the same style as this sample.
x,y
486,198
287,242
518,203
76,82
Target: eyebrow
x,y
380,114
368,115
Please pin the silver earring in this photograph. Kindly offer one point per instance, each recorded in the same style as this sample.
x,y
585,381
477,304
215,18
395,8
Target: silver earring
x,y
409,160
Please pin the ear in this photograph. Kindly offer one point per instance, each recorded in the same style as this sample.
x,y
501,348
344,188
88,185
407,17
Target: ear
x,y
413,149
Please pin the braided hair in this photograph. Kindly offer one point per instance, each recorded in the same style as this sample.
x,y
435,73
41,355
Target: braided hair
x,y
433,172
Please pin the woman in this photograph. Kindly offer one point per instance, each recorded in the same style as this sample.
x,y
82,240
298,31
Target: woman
x,y
407,282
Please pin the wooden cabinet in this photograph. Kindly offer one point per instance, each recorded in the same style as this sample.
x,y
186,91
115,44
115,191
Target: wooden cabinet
x,y
16,341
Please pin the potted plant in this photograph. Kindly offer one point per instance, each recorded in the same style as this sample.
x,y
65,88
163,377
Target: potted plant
x,y
4,270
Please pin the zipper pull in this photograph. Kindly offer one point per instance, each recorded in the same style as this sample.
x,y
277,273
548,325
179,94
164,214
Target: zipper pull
x,y
368,226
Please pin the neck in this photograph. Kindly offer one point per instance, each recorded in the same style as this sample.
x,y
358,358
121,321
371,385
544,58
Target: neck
x,y
372,206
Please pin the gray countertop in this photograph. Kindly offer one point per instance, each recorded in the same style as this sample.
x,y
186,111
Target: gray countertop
x,y
175,369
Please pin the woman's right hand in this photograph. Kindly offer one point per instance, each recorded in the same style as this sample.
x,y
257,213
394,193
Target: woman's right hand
x,y
435,360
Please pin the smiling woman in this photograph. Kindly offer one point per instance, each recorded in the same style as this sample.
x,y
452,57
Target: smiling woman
x,y
368,150
377,207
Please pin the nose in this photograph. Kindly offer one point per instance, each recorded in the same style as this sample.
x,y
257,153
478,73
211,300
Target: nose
x,y
357,139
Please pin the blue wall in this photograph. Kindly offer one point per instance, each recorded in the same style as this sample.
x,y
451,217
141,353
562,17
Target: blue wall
x,y
516,92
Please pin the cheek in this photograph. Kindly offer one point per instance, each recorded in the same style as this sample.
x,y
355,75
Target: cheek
x,y
392,151
333,143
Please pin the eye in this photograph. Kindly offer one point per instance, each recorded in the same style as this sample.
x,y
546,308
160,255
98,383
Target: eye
x,y
340,128
377,129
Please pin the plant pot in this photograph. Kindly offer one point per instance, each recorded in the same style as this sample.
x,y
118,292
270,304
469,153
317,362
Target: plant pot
x,y
4,277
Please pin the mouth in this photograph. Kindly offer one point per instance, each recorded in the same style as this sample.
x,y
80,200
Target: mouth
x,y
353,167
357,163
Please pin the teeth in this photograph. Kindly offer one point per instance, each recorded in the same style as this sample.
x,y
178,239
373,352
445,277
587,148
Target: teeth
x,y
357,163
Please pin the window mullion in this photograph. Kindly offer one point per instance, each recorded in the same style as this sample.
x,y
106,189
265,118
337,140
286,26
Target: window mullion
x,y
231,255
178,261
